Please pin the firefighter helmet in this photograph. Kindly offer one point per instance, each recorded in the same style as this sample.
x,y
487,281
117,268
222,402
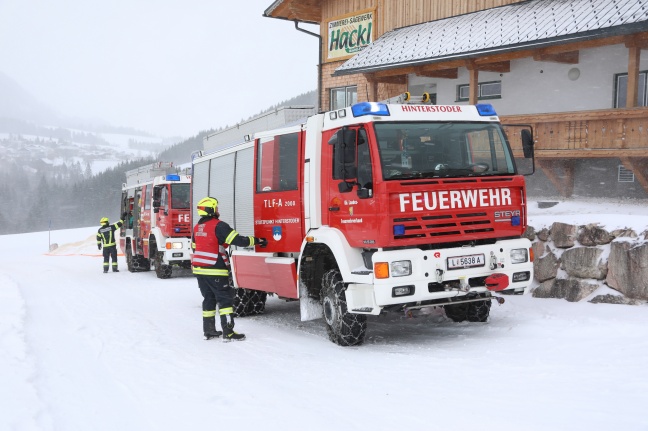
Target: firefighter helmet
x,y
104,220
207,206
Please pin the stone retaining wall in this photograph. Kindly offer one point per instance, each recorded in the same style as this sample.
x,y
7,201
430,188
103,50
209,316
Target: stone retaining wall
x,y
572,262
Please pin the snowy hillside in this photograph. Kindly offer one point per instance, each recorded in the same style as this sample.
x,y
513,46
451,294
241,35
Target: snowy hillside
x,y
82,350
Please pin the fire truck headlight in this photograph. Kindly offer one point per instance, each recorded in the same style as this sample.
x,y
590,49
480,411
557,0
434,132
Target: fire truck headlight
x,y
519,255
401,268
171,245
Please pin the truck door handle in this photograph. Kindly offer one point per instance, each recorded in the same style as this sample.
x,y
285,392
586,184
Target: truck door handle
x,y
334,208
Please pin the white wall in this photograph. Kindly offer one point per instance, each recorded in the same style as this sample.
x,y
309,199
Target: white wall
x,y
537,87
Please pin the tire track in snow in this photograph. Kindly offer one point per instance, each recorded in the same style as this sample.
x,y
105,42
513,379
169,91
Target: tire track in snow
x,y
25,408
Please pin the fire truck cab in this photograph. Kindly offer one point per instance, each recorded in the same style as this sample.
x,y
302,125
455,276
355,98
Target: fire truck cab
x,y
157,229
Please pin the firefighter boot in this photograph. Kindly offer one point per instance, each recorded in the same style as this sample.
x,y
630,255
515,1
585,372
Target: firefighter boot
x,y
209,328
228,330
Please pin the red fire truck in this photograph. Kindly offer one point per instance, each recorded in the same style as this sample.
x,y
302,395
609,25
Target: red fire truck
x,y
157,228
376,207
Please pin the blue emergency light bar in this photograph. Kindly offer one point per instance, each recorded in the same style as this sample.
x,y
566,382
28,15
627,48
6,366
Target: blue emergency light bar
x,y
485,109
370,108
173,177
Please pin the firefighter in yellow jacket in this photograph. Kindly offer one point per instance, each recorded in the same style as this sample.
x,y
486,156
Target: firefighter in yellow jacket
x,y
210,265
106,236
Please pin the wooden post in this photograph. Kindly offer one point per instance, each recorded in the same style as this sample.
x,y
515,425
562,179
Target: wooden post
x,y
474,85
634,54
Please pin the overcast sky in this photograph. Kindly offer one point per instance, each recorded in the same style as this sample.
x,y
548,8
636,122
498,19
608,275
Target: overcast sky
x,y
165,66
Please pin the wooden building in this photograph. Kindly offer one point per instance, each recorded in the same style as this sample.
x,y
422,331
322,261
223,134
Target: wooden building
x,y
572,69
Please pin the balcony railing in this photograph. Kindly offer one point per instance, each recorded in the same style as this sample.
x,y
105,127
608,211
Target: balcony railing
x,y
584,134
563,137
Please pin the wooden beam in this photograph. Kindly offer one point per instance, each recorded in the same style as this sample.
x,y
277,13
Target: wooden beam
x,y
584,44
560,173
634,55
420,69
570,57
639,167
639,40
500,66
442,73
397,79
560,154
302,10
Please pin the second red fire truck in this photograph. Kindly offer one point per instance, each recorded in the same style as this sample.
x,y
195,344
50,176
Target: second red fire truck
x,y
157,229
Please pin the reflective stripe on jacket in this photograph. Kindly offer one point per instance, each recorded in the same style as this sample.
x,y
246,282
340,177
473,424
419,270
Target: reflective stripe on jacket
x,y
106,234
211,237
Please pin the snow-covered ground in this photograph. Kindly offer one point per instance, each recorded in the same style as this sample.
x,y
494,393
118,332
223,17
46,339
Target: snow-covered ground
x,y
82,350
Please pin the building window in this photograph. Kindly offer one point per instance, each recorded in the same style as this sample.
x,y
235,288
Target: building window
x,y
485,90
621,89
625,175
342,97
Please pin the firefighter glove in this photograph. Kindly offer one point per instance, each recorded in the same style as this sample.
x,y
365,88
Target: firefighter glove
x,y
262,242
124,216
98,246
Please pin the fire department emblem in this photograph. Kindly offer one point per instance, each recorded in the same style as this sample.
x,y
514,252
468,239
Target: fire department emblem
x,y
276,233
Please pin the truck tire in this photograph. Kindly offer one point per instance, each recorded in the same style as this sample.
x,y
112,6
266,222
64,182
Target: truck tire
x,y
478,311
129,259
248,302
471,311
241,300
162,270
140,263
256,303
343,328
456,312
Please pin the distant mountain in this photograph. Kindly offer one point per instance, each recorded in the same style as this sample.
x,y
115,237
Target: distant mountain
x,y
19,104
18,108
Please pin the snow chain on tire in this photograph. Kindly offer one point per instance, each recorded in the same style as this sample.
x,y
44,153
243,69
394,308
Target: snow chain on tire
x,y
162,270
343,328
129,259
248,302
241,298
471,311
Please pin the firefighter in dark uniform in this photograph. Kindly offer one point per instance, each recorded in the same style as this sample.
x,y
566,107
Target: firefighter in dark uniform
x,y
210,265
106,235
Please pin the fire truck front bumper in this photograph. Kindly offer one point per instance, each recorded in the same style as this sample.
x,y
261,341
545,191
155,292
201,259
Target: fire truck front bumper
x,y
177,250
416,277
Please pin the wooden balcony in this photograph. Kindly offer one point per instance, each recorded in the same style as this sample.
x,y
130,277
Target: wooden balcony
x,y
561,138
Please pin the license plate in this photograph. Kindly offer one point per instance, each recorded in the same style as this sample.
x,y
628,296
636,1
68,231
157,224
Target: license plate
x,y
466,261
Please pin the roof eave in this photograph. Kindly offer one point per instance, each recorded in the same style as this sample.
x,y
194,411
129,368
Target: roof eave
x,y
622,30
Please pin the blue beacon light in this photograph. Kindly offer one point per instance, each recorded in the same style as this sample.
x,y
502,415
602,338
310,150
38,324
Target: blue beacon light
x,y
370,108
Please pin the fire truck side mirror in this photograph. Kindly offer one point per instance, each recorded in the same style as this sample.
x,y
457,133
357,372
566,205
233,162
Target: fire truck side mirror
x,y
527,143
344,145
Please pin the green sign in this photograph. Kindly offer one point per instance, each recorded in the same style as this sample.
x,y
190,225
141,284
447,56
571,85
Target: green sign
x,y
349,35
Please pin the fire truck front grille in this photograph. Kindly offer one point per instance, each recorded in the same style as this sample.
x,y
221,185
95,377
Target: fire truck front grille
x,y
182,229
443,225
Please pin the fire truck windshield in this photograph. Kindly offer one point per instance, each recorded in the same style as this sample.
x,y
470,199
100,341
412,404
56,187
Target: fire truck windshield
x,y
450,149
180,196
